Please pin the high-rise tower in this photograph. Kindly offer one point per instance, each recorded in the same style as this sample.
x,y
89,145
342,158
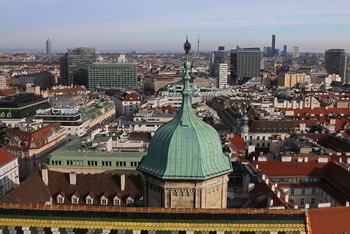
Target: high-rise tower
x,y
185,166
273,47
48,46
74,65
285,50
335,62
245,63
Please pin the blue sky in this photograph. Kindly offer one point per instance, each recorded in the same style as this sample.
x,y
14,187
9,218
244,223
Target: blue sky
x,y
162,25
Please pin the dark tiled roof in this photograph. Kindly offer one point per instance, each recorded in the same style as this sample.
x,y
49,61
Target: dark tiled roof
x,y
34,191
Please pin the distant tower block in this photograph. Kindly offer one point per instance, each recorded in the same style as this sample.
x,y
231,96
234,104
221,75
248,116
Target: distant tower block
x,y
198,47
48,46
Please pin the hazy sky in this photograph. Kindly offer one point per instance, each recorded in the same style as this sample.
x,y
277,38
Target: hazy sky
x,y
313,25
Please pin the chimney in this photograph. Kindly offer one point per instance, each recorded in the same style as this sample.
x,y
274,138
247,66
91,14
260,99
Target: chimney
x,y
257,166
278,194
72,178
45,175
347,204
263,177
270,201
307,206
286,198
122,182
340,160
306,159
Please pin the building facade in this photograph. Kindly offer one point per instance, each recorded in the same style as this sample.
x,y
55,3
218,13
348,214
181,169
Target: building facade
x,y
16,108
336,62
111,75
74,64
245,63
296,52
32,143
9,174
48,46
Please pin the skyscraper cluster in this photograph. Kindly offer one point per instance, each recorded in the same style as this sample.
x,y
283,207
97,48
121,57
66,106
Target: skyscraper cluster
x,y
273,51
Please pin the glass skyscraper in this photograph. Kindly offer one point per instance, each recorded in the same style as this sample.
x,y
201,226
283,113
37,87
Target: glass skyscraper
x,y
74,65
48,46
335,62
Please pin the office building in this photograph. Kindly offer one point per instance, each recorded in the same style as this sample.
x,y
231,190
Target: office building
x,y
48,46
273,50
267,51
16,108
74,65
245,63
218,67
285,50
335,62
110,75
220,71
296,52
218,56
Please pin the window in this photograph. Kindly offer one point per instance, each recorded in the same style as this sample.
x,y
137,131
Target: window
x,y
60,200
89,201
116,202
129,200
312,201
292,191
313,191
74,200
302,202
302,191
104,201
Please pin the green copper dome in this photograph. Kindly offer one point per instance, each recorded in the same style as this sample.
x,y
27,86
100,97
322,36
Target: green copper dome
x,y
185,148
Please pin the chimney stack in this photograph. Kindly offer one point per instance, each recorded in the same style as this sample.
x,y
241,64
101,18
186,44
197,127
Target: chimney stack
x,y
45,175
347,204
286,198
122,182
72,178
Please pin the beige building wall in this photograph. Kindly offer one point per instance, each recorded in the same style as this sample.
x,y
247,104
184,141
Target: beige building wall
x,y
210,193
30,160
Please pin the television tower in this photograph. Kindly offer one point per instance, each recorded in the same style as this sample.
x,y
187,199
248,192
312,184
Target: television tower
x,y
198,46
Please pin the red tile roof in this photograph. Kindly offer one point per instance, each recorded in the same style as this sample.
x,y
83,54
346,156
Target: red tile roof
x,y
330,220
131,97
5,156
75,90
27,140
237,142
278,168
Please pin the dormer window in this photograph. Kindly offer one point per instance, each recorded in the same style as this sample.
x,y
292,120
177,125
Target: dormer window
x,y
116,202
89,201
103,201
75,200
60,200
129,200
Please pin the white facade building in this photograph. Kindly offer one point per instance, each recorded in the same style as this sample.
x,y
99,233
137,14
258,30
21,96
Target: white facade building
x,y
9,175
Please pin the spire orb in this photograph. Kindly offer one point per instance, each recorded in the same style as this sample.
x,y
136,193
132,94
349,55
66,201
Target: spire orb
x,y
187,65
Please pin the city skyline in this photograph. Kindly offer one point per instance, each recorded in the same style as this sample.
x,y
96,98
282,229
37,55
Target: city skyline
x,y
159,26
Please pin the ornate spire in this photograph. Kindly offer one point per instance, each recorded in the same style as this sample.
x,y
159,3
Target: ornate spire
x,y
187,91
